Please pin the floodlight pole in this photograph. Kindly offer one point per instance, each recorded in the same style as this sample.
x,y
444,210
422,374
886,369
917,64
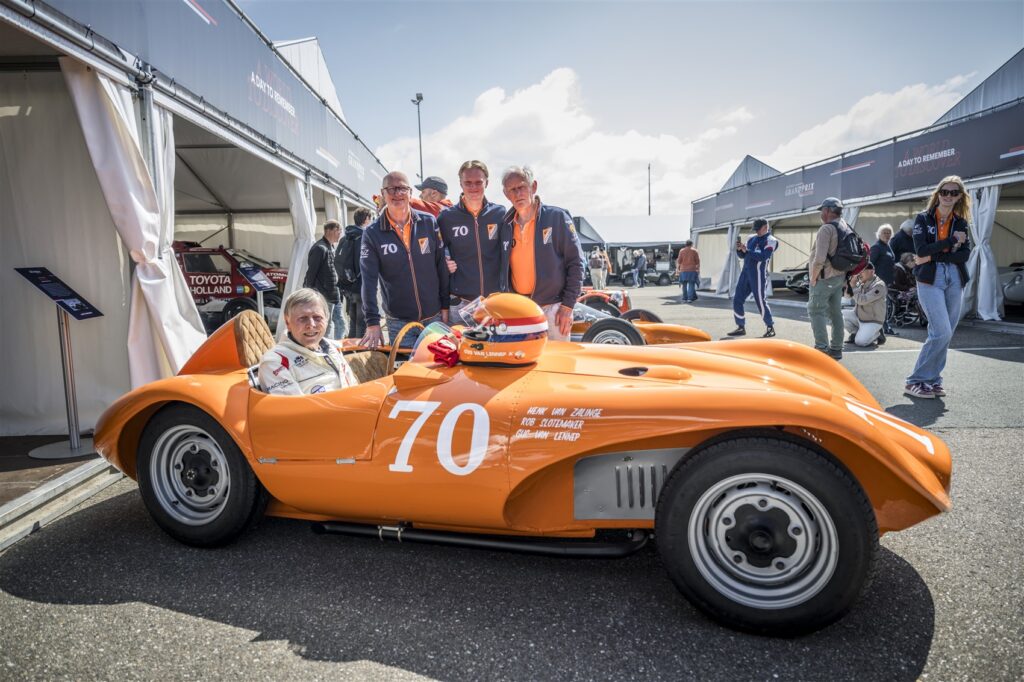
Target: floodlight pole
x,y
648,189
419,129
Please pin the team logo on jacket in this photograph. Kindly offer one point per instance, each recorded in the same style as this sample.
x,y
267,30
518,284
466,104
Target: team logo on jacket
x,y
300,361
318,389
547,235
424,244
492,230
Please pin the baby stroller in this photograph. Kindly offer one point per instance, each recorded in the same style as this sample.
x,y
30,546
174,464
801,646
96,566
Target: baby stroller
x,y
903,310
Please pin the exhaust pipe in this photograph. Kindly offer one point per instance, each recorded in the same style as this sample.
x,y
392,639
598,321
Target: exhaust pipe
x,y
592,549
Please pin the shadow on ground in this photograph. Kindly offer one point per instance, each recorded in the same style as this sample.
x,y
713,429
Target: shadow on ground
x,y
455,613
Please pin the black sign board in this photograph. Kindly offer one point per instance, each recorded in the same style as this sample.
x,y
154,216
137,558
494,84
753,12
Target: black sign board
x,y
61,294
256,277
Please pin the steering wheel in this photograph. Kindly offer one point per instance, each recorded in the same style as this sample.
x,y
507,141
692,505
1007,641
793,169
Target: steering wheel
x,y
397,343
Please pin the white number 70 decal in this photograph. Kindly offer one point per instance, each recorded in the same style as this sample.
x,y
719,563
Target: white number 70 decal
x,y
445,434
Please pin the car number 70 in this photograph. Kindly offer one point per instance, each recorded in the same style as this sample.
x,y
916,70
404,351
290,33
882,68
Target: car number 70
x,y
445,434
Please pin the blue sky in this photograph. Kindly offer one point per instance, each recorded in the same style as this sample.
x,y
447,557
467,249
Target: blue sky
x,y
589,92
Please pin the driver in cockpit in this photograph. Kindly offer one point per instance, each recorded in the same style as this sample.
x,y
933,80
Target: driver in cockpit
x,y
305,362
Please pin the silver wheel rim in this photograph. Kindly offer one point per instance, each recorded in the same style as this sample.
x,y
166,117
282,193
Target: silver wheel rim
x,y
613,337
190,475
730,556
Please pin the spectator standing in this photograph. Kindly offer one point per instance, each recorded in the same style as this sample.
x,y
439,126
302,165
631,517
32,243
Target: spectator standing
x,y
639,268
321,276
546,262
433,196
350,280
942,247
753,279
884,260
864,320
600,266
688,265
903,241
824,301
403,251
477,240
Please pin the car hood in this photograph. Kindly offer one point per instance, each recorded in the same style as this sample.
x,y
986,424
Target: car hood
x,y
757,365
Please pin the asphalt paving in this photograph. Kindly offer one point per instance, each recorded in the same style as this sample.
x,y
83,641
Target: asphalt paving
x,y
103,593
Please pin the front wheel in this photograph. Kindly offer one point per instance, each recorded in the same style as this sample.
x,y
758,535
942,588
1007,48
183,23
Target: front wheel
x,y
664,280
614,331
194,480
766,535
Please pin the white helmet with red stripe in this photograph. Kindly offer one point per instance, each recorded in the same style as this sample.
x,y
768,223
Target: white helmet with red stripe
x,y
510,330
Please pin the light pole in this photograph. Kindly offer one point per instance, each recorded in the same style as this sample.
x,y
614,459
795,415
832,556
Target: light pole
x,y
648,189
419,129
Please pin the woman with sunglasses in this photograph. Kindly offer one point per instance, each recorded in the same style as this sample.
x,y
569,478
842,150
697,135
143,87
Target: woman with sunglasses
x,y
942,249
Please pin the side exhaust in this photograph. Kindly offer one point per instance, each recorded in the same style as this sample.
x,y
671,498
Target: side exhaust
x,y
594,549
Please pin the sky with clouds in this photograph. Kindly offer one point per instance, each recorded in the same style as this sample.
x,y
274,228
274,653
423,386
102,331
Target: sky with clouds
x,y
590,93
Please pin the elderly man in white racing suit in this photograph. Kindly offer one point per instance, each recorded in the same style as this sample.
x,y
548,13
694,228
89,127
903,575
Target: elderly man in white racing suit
x,y
305,362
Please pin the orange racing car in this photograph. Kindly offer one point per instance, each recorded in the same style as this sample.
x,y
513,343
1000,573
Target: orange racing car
x,y
763,470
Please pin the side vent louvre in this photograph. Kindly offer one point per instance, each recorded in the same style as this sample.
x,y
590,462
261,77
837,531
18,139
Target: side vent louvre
x,y
622,485
639,485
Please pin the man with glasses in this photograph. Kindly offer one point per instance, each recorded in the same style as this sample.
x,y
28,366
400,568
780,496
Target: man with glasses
x,y
477,240
546,261
402,250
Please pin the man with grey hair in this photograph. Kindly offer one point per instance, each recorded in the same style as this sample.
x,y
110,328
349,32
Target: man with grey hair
x,y
903,241
403,251
546,261
824,303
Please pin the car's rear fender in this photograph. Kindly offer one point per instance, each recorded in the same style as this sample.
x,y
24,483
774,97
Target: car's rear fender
x,y
223,396
905,483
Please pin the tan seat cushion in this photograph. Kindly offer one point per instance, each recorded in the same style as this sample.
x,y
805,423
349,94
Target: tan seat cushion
x,y
368,365
252,337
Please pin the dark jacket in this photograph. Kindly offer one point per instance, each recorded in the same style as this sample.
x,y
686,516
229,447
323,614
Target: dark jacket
x,y
414,282
557,256
884,260
479,246
927,243
640,264
901,243
346,261
320,274
903,278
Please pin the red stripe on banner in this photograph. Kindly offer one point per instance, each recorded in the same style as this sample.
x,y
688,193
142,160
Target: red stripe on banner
x,y
197,7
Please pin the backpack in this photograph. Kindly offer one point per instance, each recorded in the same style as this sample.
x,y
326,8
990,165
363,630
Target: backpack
x,y
851,251
348,274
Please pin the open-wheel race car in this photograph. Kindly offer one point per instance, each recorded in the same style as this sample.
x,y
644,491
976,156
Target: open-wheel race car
x,y
634,327
762,469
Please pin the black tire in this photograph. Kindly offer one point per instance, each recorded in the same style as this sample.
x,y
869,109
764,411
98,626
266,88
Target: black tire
x,y
640,314
664,280
182,459
272,299
613,330
237,305
727,554
598,303
628,280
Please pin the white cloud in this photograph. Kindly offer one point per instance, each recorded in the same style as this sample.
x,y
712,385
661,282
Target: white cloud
x,y
871,119
591,171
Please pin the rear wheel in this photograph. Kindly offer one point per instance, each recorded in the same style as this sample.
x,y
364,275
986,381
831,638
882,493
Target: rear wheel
x,y
237,305
194,480
614,331
598,303
640,314
664,280
271,299
766,535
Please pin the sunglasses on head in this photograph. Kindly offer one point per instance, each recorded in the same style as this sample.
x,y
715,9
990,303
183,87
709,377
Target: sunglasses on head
x,y
949,192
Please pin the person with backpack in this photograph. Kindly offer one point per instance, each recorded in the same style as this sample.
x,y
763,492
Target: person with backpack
x,y
321,276
350,281
599,266
756,253
835,251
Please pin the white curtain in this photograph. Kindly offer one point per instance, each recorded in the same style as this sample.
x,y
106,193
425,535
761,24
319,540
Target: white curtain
x,y
164,327
730,269
332,208
983,296
300,204
52,214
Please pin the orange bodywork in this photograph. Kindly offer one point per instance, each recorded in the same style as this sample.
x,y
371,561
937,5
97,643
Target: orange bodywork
x,y
506,450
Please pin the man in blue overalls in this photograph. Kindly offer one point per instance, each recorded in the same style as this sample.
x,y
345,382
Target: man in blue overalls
x,y
754,277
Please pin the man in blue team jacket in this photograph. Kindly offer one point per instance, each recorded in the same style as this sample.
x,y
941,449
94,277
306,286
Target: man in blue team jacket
x,y
754,277
403,250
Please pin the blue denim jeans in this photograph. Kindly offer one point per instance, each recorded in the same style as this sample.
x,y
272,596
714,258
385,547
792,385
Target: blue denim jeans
x,y
941,301
395,326
336,329
688,280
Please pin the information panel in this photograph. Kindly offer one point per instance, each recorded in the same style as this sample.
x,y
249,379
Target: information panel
x,y
60,293
255,276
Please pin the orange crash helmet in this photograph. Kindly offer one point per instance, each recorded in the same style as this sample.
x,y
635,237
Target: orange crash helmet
x,y
509,330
